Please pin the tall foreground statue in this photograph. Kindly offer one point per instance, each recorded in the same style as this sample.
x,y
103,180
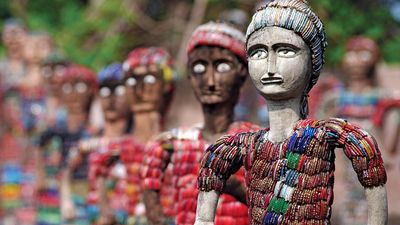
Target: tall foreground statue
x,y
290,165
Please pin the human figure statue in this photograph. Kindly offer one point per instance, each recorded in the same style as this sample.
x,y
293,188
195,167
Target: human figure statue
x,y
290,165
52,69
12,68
64,178
111,94
23,119
149,82
360,102
217,68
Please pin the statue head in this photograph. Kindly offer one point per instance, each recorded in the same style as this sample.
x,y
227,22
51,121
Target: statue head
x,y
38,46
78,85
217,63
285,45
112,92
361,56
53,67
13,35
149,79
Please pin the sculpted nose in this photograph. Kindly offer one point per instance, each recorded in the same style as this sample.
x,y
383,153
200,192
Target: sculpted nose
x,y
210,79
271,64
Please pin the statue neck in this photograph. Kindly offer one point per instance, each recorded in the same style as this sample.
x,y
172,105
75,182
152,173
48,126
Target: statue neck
x,y
359,85
115,128
217,119
283,115
15,55
147,125
76,120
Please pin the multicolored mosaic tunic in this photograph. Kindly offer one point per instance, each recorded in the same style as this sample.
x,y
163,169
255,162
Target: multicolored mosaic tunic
x,y
56,144
131,154
103,162
291,182
183,150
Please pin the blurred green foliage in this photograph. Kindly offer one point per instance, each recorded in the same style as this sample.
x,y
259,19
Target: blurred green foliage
x,y
98,32
345,18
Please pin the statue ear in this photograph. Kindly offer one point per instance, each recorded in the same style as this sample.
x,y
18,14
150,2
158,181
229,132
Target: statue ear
x,y
243,71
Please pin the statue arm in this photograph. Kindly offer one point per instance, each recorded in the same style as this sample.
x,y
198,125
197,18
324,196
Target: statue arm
x,y
206,207
377,205
219,162
235,188
157,160
362,149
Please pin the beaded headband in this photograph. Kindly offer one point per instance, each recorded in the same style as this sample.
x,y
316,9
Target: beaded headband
x,y
363,43
219,34
14,22
56,57
80,72
151,56
112,72
297,16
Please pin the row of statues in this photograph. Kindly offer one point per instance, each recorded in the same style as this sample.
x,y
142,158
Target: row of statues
x,y
134,171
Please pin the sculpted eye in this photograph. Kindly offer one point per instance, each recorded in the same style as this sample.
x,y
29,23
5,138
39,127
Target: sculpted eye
x,y
199,68
149,79
119,90
105,92
365,55
286,52
47,71
67,88
59,70
223,67
131,81
81,87
259,54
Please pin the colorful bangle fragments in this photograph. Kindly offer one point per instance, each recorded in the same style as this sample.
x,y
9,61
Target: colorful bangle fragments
x,y
292,181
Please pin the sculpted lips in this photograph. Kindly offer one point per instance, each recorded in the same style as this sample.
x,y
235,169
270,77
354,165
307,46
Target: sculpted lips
x,y
266,79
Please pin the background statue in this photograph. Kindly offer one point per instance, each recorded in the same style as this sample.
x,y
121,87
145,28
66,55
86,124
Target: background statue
x,y
217,68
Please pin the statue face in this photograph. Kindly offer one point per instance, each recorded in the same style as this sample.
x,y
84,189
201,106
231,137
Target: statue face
x,y
77,95
37,48
113,101
359,62
144,88
279,63
216,75
52,74
13,37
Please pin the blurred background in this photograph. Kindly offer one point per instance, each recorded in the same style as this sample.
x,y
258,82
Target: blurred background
x,y
98,32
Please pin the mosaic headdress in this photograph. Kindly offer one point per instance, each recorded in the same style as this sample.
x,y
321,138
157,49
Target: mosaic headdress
x,y
109,73
363,43
14,22
56,57
295,15
219,34
152,56
80,72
